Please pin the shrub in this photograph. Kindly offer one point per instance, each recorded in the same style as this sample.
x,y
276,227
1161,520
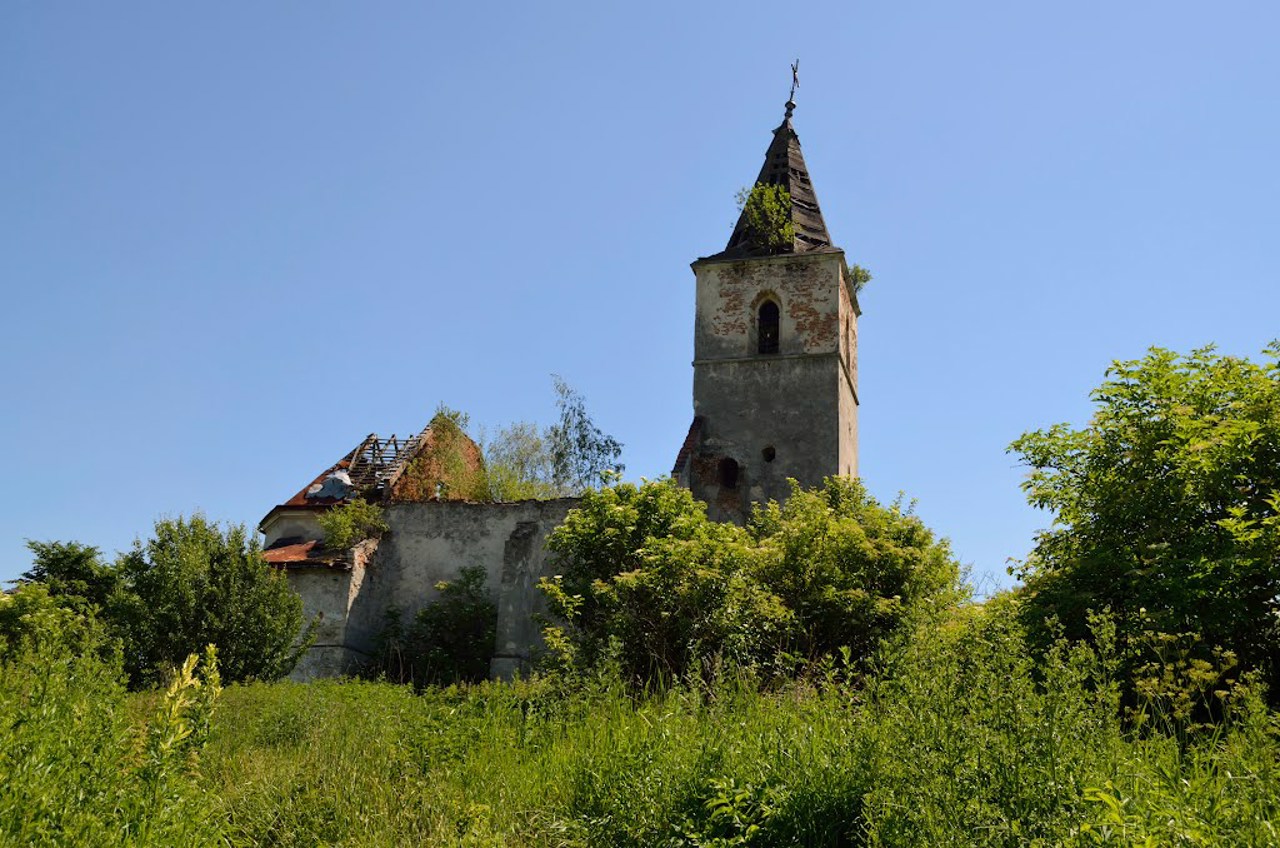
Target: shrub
x,y
451,639
767,209
1166,507
648,580
195,583
352,522
852,571
78,770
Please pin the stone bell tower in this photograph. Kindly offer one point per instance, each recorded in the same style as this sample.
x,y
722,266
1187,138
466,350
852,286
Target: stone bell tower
x,y
775,364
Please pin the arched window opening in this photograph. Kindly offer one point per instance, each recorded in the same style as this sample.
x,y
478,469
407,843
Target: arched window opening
x,y
767,327
729,473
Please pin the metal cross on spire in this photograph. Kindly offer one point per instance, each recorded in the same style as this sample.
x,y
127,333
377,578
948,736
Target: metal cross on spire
x,y
795,83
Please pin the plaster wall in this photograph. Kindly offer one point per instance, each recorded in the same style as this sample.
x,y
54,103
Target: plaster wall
x,y
753,405
328,596
788,414
302,523
427,543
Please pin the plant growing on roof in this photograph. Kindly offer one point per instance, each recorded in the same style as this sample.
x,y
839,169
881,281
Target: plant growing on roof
x,y
352,522
767,210
450,467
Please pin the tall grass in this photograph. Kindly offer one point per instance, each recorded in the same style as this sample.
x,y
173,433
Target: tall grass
x,y
960,738
82,764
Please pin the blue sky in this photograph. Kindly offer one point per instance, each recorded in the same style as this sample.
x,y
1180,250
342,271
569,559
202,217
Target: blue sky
x,y
236,239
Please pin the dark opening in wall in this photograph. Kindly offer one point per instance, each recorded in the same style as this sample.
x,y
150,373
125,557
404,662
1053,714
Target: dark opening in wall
x,y
769,453
767,327
729,473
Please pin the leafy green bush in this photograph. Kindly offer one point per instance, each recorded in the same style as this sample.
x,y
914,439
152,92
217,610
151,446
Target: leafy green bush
x,y
767,208
852,571
352,522
450,640
1166,508
78,769
647,580
195,583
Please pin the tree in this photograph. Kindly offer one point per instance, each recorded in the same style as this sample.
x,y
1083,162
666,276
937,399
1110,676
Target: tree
x,y
767,209
72,572
1165,506
581,454
196,583
649,581
519,465
854,572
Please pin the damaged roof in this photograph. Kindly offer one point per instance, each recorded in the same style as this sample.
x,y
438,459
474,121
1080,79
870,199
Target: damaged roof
x,y
784,165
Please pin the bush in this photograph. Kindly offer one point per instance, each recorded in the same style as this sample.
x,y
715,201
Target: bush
x,y
852,571
767,209
647,580
451,639
78,770
352,522
195,584
1166,508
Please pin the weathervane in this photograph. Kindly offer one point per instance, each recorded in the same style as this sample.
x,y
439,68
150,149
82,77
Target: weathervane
x,y
795,83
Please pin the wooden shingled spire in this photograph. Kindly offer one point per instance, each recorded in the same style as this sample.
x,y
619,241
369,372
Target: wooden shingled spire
x,y
784,165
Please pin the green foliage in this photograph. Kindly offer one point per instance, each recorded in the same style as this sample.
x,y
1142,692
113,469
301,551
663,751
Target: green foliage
x,y
959,735
581,453
352,522
451,639
451,467
1166,507
519,464
854,572
72,572
31,614
767,208
193,584
649,582
78,768
962,737
858,278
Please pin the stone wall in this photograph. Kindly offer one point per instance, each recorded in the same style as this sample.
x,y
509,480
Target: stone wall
x,y
430,542
767,417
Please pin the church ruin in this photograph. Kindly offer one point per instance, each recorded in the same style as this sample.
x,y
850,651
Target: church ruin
x,y
774,397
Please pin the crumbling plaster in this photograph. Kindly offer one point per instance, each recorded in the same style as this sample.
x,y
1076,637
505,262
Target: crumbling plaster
x,y
427,543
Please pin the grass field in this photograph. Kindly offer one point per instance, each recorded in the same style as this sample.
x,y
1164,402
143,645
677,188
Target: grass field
x,y
959,739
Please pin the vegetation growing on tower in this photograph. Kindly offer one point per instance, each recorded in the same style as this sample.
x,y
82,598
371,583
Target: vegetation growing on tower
x,y
767,210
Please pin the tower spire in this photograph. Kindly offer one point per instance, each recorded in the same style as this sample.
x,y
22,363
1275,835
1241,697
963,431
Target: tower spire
x,y
784,166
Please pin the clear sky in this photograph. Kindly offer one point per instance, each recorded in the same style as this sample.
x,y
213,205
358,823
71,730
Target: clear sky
x,y
237,238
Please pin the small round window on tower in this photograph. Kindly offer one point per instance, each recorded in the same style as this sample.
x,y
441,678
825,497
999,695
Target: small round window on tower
x,y
768,453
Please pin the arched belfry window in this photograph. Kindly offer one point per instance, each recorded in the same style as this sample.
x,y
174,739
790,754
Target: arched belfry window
x,y
767,327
